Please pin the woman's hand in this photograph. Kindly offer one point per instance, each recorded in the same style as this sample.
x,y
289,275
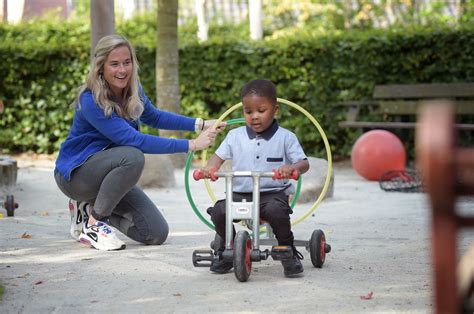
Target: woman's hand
x,y
204,140
209,123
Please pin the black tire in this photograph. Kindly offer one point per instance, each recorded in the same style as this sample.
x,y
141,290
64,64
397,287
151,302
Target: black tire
x,y
242,259
10,205
317,248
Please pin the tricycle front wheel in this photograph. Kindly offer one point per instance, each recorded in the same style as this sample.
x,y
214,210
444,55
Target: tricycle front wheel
x,y
242,258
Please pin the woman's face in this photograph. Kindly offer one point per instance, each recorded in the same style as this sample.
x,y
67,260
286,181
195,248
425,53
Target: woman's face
x,y
118,69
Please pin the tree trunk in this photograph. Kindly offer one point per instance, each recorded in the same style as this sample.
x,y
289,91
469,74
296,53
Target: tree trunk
x,y
102,16
4,11
203,25
348,14
255,16
461,9
167,76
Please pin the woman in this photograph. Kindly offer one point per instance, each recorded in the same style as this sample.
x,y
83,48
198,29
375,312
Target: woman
x,y
102,158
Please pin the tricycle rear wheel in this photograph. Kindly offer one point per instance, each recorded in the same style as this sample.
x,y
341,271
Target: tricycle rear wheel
x,y
317,248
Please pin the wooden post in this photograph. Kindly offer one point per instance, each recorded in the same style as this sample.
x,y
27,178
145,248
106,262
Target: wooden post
x,y
437,157
8,174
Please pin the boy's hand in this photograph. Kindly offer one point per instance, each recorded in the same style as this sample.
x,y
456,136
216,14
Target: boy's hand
x,y
286,171
209,173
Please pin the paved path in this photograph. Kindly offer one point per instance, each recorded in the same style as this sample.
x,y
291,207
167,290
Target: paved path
x,y
380,244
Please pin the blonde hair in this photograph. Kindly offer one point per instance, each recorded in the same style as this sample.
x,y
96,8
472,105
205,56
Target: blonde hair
x,y
132,106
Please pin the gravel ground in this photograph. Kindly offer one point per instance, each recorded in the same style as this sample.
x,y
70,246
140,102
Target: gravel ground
x,y
380,259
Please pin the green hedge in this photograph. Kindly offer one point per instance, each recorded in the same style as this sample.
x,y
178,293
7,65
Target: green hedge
x,y
40,77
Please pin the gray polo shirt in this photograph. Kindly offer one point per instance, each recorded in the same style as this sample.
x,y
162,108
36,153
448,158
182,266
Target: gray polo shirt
x,y
266,151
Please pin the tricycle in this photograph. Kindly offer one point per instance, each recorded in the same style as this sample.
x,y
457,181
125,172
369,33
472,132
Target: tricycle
x,y
245,247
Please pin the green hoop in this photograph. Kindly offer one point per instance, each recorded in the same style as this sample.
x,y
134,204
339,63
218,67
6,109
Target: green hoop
x,y
204,157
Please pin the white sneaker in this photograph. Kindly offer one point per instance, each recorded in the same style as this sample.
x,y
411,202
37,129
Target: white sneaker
x,y
79,215
101,236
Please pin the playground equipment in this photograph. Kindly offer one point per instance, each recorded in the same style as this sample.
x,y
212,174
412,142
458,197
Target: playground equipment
x,y
204,157
8,176
245,248
449,173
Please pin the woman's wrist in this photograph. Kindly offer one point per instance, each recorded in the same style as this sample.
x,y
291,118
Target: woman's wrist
x,y
192,146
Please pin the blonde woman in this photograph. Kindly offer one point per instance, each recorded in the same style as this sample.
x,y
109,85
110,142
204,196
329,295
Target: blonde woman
x,y
102,158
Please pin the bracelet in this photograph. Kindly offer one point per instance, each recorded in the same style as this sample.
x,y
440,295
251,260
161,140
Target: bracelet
x,y
198,125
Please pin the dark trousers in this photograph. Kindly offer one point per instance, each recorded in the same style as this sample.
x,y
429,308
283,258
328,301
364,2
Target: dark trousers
x,y
274,208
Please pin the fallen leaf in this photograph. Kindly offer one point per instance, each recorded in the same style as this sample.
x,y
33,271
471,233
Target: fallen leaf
x,y
367,297
39,282
44,213
26,235
177,294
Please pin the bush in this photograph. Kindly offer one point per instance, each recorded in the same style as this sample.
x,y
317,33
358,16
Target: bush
x,y
40,77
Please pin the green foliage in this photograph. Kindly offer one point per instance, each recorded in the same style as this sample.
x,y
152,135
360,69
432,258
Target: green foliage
x,y
43,64
37,86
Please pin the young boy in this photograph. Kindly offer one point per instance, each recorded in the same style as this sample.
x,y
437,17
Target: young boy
x,y
261,145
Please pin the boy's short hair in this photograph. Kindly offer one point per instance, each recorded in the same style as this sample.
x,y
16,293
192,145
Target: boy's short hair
x,y
261,88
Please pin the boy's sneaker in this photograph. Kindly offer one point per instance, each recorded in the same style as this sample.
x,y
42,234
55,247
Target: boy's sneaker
x,y
293,266
79,216
101,236
221,266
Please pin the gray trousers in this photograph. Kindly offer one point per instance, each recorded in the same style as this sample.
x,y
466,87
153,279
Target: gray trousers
x,y
107,180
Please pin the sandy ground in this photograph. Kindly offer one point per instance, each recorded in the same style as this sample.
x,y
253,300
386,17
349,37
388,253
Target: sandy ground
x,y
380,245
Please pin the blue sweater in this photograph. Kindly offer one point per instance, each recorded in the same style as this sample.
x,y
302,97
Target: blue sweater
x,y
92,132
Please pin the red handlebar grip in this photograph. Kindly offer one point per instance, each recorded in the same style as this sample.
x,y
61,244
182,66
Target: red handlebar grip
x,y
294,175
197,174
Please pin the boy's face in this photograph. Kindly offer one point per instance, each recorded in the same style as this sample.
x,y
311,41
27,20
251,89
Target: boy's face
x,y
259,112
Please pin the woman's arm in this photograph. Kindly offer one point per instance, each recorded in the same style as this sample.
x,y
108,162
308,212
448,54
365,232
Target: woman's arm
x,y
118,131
165,120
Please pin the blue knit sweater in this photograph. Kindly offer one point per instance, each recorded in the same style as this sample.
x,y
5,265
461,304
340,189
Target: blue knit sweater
x,y
92,132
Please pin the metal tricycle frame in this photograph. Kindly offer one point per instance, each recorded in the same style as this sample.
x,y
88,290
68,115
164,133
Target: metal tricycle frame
x,y
245,248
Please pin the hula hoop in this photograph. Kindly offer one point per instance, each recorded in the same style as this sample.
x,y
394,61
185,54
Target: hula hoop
x,y
204,157
190,197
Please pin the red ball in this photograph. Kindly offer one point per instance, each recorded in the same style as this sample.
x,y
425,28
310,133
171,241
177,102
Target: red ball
x,y
377,152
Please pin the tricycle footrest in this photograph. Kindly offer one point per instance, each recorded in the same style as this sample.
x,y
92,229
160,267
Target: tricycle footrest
x,y
280,252
203,258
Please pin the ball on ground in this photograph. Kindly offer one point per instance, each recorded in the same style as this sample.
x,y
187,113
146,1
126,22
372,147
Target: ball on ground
x,y
377,152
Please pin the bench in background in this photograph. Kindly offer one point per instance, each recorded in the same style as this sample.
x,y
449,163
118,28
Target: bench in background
x,y
403,101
